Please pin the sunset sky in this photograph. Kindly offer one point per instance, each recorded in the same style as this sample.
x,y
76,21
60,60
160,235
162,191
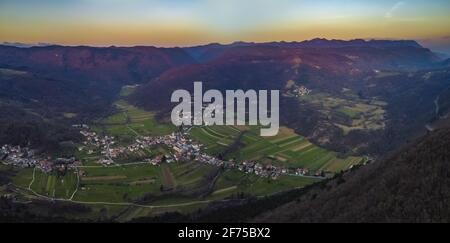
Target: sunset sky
x,y
191,22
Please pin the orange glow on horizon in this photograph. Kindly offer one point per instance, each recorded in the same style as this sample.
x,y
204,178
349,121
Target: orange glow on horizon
x,y
186,23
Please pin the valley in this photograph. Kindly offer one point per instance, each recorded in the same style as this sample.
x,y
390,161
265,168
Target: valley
x,y
95,141
153,179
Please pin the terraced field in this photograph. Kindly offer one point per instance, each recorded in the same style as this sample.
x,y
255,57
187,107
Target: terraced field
x,y
130,121
216,138
168,184
234,182
118,184
286,149
55,186
349,112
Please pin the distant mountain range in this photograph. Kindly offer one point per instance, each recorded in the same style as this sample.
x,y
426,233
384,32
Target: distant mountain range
x,y
320,42
393,71
24,45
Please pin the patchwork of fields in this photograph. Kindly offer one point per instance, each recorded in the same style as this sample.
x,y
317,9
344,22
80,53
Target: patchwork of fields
x,y
118,184
349,112
55,186
169,184
286,149
130,121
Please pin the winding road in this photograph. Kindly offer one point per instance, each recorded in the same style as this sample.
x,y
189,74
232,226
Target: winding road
x,y
436,103
429,127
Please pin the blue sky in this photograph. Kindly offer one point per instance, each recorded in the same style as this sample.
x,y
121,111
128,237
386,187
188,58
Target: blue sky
x,y
187,22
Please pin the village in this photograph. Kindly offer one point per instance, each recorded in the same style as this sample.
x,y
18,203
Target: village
x,y
182,149
180,146
302,91
25,157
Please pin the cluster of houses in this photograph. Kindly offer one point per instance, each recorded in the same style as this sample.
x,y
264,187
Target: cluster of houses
x,y
262,170
103,143
18,156
301,172
185,149
91,138
27,158
297,91
59,164
181,147
302,91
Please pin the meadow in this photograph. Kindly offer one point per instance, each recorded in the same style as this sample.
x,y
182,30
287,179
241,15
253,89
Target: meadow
x,y
129,121
118,183
177,183
348,111
55,186
235,183
287,149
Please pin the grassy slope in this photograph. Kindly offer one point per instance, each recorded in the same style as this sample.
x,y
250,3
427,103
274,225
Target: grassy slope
x,y
286,149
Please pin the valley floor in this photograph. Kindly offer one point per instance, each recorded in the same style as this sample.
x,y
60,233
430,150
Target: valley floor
x,y
120,179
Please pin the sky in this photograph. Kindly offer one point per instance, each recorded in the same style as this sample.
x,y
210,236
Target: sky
x,y
193,22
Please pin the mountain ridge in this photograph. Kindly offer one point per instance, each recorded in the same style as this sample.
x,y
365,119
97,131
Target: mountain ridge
x,y
314,41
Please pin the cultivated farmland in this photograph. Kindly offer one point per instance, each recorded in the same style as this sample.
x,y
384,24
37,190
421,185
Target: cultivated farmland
x,y
287,149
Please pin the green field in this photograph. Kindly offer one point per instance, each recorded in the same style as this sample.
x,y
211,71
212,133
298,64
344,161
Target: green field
x,y
130,183
130,121
55,186
22,177
118,184
175,183
183,187
286,149
348,111
234,182
127,90
216,139
170,183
